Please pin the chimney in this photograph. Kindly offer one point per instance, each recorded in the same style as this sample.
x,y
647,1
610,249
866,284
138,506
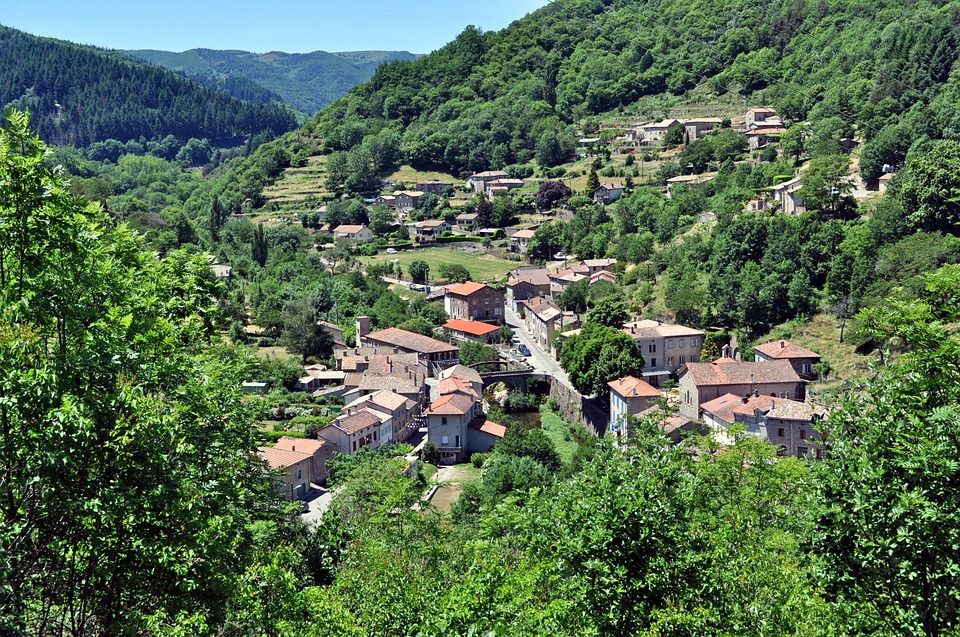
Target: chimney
x,y
363,328
745,399
782,344
725,353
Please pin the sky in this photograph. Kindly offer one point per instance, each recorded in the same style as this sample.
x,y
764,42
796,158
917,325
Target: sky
x,y
295,26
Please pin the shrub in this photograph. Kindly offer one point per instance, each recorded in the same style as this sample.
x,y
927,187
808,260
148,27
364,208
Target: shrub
x,y
477,459
522,401
430,453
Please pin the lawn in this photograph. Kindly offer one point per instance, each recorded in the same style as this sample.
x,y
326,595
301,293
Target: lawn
x,y
558,432
452,480
482,267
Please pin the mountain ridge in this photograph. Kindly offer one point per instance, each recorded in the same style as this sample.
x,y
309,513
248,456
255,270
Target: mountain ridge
x,y
307,81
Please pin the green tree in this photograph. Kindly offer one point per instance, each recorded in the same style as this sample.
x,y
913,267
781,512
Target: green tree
x,y
258,248
610,311
593,182
453,272
827,186
929,187
574,296
472,353
598,355
419,271
382,219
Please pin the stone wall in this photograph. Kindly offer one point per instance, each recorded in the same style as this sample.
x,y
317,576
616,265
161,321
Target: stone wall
x,y
574,408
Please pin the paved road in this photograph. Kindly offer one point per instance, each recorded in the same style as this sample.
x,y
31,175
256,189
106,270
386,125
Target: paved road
x,y
541,361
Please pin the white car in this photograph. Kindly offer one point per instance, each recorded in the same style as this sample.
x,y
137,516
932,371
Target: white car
x,y
391,250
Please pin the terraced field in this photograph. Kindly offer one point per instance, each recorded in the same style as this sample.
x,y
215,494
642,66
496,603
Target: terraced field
x,y
300,188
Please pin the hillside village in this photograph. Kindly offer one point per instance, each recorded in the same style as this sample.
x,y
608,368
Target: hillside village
x,y
396,385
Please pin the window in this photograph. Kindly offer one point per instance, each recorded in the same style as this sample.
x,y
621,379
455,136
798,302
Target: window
x,y
375,435
780,432
670,360
683,359
693,342
803,434
682,343
652,347
670,344
653,362
354,445
444,440
802,452
457,438
299,474
443,420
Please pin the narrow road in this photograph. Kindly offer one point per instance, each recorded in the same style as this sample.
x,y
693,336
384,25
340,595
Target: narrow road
x,y
541,361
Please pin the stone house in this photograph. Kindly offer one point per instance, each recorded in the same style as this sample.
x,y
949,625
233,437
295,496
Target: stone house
x,y
357,429
700,383
787,196
802,359
520,239
353,233
607,194
428,230
665,347
787,424
456,424
293,469
478,182
433,354
471,301
434,186
472,331
401,409
527,283
541,318
467,222
320,451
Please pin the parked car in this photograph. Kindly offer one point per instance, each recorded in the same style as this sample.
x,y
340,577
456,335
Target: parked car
x,y
391,250
524,349
515,339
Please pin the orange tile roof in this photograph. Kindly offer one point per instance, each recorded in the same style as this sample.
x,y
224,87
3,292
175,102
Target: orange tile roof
x,y
466,288
475,328
488,427
523,234
741,373
632,387
452,404
785,349
300,445
454,385
281,458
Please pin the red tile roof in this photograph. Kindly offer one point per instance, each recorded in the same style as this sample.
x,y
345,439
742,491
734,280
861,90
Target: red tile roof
x,y
488,427
726,408
353,423
769,130
300,445
452,405
632,387
523,234
474,328
785,350
410,341
281,458
466,288
454,385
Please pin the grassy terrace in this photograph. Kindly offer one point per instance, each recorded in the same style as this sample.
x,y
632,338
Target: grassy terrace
x,y
558,432
482,267
299,187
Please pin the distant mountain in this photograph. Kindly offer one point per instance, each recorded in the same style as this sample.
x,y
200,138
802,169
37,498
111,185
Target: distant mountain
x,y
306,81
81,94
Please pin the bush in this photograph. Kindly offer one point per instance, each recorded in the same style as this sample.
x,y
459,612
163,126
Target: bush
x,y
430,453
477,459
522,401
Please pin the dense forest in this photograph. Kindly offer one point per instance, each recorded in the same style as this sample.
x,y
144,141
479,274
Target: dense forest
x,y
306,81
488,100
79,95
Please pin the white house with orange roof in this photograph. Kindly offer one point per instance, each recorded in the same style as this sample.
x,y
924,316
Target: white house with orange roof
x,y
628,397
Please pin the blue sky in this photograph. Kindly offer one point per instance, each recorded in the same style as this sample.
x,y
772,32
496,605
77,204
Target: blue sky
x,y
419,26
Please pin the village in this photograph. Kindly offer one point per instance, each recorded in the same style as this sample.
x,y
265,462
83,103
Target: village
x,y
398,386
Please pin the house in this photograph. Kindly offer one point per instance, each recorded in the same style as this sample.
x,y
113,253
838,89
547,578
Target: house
x,y
478,182
628,397
434,186
402,411
319,451
292,468
314,380
434,354
657,131
757,203
224,272
759,137
467,222
406,200
472,331
801,358
408,382
456,424
594,266
335,332
689,180
562,279
789,425
520,239
607,194
429,229
354,430
501,187
702,382
390,201
884,182
760,116
603,275
353,233
666,348
471,301
462,373
541,318
255,388
526,283
696,128
787,195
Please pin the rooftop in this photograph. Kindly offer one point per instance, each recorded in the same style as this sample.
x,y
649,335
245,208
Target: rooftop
x,y
726,408
466,288
462,371
488,427
352,423
411,341
348,229
732,372
523,234
533,276
474,328
455,404
632,387
300,445
785,350
277,458
652,329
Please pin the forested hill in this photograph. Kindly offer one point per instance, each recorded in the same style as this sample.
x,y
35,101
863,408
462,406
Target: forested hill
x,y
306,81
80,94
491,99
